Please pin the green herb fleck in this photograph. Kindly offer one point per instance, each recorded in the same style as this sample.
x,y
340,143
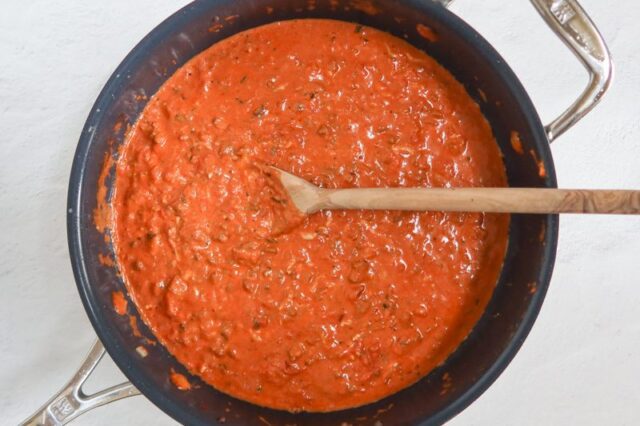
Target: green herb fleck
x,y
260,112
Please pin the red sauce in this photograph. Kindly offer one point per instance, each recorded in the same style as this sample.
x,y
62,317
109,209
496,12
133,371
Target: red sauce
x,y
133,324
542,171
516,143
314,313
105,260
119,302
102,213
180,381
364,6
427,33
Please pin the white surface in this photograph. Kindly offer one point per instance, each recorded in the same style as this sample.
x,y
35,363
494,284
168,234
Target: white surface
x,y
580,365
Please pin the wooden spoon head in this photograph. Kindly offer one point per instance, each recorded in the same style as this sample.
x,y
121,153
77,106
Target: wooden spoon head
x,y
304,195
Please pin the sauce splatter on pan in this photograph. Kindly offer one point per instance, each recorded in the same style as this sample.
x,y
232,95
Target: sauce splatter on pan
x,y
516,143
427,33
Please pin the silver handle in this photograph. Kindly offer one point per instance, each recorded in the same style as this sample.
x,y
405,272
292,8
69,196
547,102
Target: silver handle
x,y
574,27
71,401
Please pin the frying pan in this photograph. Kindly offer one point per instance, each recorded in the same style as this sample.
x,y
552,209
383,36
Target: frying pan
x,y
519,294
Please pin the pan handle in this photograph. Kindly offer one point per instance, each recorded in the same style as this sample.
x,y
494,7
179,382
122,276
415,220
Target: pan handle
x,y
574,27
71,401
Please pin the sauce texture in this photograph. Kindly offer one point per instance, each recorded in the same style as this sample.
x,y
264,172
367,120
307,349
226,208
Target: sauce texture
x,y
315,313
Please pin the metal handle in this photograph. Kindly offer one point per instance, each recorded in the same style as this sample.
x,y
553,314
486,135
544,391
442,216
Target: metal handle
x,y
71,401
572,24
574,27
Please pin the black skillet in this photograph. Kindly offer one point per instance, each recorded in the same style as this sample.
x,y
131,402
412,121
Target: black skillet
x,y
532,245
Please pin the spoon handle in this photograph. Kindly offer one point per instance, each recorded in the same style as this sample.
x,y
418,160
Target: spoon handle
x,y
491,200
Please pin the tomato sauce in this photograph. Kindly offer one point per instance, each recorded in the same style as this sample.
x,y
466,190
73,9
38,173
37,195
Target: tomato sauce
x,y
180,381
119,302
317,313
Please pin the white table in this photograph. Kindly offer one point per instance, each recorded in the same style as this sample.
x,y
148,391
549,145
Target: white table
x,y
581,363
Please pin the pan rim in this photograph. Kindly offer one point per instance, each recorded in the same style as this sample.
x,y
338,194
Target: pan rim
x,y
75,231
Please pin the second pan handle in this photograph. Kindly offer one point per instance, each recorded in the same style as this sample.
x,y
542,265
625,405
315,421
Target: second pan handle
x,y
71,401
574,27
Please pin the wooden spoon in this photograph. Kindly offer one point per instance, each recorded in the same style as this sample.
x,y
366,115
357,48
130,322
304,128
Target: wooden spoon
x,y
309,198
